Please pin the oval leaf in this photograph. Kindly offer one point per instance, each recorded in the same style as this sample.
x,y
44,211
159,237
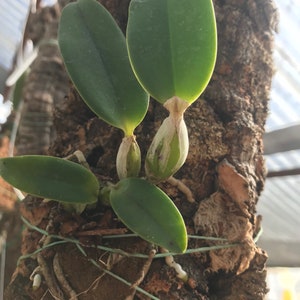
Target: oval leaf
x,y
50,177
149,212
94,52
172,46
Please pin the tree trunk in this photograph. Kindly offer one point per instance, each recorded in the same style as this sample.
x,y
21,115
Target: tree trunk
x,y
224,170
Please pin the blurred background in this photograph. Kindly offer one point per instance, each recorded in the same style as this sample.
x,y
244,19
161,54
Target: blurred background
x,y
280,201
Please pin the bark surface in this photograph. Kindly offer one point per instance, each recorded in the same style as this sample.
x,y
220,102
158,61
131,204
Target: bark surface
x,y
224,170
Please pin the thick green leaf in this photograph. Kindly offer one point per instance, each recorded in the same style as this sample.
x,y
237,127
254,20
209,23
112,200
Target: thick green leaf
x,y
172,46
149,212
94,52
50,177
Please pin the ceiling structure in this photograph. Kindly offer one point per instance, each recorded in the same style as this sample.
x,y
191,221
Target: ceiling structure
x,y
13,15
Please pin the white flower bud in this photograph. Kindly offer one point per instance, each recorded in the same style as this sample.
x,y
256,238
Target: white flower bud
x,y
128,158
169,148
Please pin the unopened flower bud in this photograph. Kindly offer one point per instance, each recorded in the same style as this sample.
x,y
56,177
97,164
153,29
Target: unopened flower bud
x,y
168,150
128,158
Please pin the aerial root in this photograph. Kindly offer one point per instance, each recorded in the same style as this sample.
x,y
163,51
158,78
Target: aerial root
x,y
62,280
143,273
182,188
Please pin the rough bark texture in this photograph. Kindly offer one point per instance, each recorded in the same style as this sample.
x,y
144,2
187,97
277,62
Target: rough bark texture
x,y
224,170
45,86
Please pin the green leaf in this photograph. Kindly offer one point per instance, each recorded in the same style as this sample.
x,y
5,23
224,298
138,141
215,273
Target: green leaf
x,y
94,52
172,46
50,177
149,212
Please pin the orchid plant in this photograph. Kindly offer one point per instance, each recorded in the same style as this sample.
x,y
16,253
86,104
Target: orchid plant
x,y
169,53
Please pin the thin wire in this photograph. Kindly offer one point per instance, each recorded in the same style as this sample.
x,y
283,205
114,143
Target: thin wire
x,y
40,250
200,237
